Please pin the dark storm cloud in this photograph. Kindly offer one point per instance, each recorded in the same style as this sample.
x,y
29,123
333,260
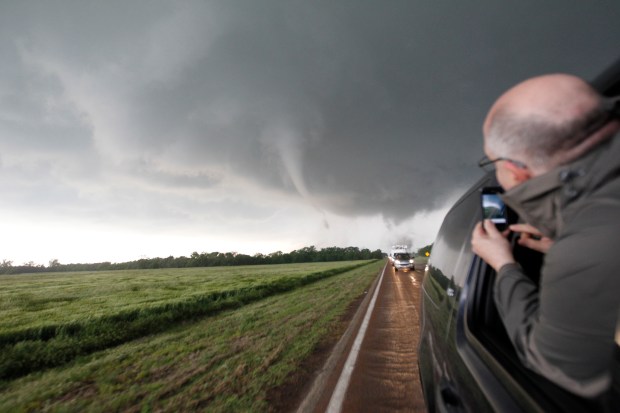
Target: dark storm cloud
x,y
380,104
360,108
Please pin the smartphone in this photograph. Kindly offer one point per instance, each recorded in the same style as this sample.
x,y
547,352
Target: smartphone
x,y
493,207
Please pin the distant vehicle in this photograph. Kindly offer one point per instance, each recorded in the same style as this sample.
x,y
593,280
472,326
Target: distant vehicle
x,y
403,261
466,360
397,249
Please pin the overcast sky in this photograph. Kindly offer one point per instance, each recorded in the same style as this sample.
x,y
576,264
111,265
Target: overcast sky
x,y
156,128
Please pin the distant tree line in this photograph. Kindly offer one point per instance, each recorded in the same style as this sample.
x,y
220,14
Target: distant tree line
x,y
422,251
205,259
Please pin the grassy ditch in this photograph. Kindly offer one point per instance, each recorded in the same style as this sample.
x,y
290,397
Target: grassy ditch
x,y
53,344
35,300
228,362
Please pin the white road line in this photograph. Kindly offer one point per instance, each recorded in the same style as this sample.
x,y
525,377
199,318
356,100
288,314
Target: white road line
x,y
335,403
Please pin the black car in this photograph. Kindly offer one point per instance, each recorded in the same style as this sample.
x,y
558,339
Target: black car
x,y
466,360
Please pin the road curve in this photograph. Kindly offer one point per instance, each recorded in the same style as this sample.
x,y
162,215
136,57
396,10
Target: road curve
x,y
379,373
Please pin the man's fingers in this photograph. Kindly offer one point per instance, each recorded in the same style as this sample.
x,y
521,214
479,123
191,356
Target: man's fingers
x,y
526,241
479,229
533,242
490,227
525,229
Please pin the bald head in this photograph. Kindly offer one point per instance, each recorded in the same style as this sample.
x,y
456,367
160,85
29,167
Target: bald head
x,y
559,98
541,120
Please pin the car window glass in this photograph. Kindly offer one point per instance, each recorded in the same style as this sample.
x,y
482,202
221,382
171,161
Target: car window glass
x,y
453,238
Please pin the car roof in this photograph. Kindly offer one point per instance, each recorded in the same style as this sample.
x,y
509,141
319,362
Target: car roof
x,y
608,82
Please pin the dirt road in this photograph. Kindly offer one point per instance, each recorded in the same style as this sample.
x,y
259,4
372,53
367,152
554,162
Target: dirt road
x,y
376,370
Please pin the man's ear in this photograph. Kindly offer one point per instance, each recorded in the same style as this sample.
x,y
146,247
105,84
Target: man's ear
x,y
518,173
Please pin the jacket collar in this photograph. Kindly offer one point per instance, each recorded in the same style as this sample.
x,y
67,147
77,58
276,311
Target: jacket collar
x,y
540,201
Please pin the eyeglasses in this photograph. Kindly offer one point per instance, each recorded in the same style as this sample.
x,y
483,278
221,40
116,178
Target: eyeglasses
x,y
485,162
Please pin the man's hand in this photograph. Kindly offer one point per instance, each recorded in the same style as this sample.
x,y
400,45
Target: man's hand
x,y
491,245
532,238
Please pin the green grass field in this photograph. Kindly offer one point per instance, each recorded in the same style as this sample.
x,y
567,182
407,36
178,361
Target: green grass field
x,y
214,339
421,260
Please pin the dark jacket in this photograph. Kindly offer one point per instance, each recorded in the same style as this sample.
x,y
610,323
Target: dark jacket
x,y
564,329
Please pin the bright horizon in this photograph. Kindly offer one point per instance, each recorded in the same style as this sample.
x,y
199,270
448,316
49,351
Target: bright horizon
x,y
98,244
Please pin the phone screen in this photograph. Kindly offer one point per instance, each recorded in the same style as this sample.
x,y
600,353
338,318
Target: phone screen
x,y
493,208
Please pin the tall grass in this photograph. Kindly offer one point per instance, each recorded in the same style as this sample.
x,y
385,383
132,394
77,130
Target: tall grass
x,y
55,344
228,362
34,300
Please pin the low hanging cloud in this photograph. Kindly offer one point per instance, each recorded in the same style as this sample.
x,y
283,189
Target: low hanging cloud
x,y
194,113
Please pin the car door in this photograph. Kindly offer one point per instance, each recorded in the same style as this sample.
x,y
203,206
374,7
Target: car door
x,y
444,377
